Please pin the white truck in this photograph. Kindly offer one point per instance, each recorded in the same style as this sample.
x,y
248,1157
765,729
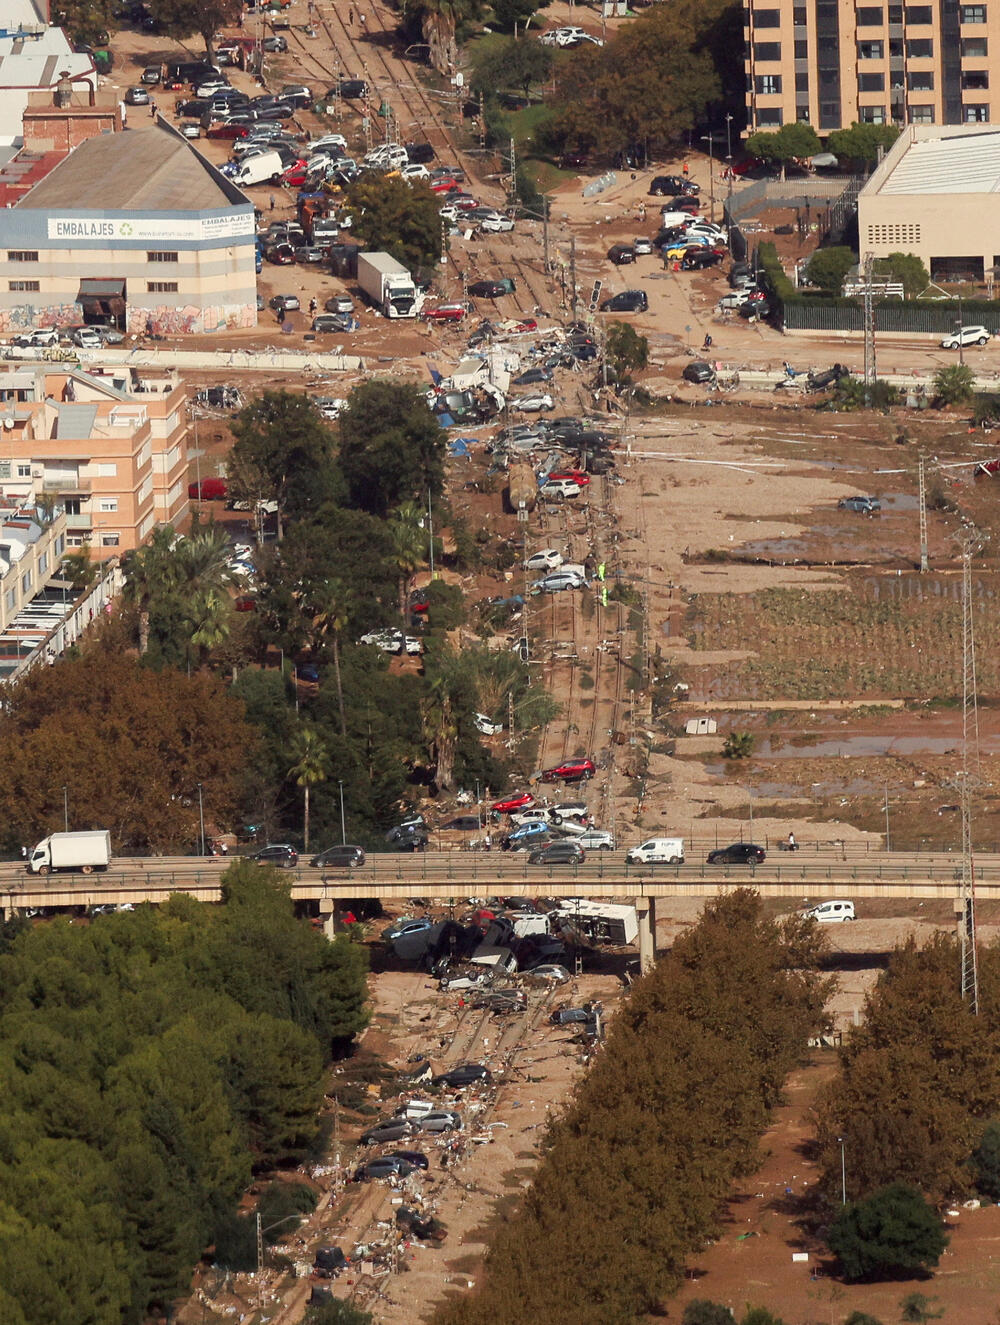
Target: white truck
x,y
388,285
85,852
605,922
264,169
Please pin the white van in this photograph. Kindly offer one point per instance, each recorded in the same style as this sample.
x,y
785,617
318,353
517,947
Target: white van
x,y
657,851
263,169
831,913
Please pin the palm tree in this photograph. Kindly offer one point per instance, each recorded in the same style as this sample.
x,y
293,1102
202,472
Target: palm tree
x,y
203,559
329,616
149,570
407,534
312,766
209,617
438,21
439,719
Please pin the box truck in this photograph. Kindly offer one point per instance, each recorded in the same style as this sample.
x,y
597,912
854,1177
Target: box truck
x,y
388,285
85,852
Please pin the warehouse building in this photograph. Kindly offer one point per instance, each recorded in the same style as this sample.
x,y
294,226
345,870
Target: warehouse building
x,y
133,228
929,179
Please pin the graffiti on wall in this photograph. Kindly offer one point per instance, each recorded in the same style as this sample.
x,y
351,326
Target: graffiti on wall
x,y
190,319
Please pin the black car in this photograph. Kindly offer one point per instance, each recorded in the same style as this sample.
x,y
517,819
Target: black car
x,y
620,254
152,75
739,853
386,1166
492,289
629,301
412,839
532,376
672,184
584,353
698,371
342,857
465,823
327,322
695,259
463,1075
686,202
561,852
390,1129
419,154
280,855
416,1158
354,89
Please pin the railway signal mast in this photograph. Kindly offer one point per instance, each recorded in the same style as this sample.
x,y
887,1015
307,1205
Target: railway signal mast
x,y
970,771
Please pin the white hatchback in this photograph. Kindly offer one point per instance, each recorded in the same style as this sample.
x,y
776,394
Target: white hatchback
x,y
831,913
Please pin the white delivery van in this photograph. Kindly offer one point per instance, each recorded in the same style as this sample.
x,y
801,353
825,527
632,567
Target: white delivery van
x,y
261,169
657,851
831,913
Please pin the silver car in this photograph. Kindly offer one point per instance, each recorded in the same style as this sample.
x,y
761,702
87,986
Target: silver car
x,y
441,1120
559,580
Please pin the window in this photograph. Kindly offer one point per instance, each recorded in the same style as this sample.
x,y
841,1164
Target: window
x,y
975,78
972,13
24,285
921,114
107,470
921,49
71,505
895,49
872,114
799,16
768,84
767,50
76,540
769,119
920,82
24,471
975,114
108,504
26,582
109,539
870,16
11,599
871,82
802,114
974,48
870,50
767,18
43,563
22,255
895,13
161,257
161,287
829,114
60,544
829,78
801,82
802,50
919,15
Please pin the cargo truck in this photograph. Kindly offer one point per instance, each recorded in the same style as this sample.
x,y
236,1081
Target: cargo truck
x,y
85,852
388,285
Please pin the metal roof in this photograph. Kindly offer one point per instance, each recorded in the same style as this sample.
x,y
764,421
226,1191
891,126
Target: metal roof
x,y
147,169
957,161
75,421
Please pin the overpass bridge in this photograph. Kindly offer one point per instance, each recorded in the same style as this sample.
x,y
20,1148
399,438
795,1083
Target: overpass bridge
x,y
457,875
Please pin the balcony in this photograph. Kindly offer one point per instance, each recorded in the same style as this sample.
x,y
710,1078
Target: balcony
x,y
79,521
67,485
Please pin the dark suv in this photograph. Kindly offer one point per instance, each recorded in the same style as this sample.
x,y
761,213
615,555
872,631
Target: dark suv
x,y
629,301
664,184
621,253
740,853
492,289
343,857
281,855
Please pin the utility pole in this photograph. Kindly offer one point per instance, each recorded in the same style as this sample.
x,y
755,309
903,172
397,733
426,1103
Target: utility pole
x,y
922,477
545,232
572,272
482,124
707,138
871,372
970,768
513,173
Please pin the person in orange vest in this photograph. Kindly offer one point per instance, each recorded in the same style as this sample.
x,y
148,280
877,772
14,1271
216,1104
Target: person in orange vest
x,y
684,170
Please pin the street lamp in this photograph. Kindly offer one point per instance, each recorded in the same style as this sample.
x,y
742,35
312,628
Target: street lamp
x,y
343,829
201,818
729,137
958,329
66,808
707,138
843,1172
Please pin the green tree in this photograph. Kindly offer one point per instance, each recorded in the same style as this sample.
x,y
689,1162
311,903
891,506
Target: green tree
x,y
918,1308
147,573
182,18
391,446
828,267
396,216
78,568
505,63
409,545
86,20
284,452
311,767
893,1231
862,142
907,269
851,393
986,1162
791,142
625,352
700,1311
954,385
738,745
516,15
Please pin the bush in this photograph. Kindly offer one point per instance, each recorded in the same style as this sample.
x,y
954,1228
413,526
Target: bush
x,y
738,745
828,267
851,393
446,609
954,385
861,1318
282,1206
236,1243
893,1231
703,1312
986,1162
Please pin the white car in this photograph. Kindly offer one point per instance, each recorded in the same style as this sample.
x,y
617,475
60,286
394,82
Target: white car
x,y
560,488
485,726
534,404
496,225
414,172
85,338
393,641
328,140
570,36
557,974
735,300
547,559
831,913
558,581
596,839
966,336
449,212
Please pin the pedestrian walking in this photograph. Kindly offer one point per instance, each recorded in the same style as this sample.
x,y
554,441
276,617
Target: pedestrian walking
x,y
272,202
350,17
312,307
361,19
152,107
684,170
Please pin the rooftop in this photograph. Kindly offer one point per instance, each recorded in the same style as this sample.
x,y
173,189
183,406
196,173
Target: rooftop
x,y
941,159
151,169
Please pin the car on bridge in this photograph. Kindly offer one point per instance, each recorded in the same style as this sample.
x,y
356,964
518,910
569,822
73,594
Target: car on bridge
x,y
340,857
564,852
738,853
279,854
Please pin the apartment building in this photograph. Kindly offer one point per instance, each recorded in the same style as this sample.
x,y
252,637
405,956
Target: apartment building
x,y
32,545
831,64
109,449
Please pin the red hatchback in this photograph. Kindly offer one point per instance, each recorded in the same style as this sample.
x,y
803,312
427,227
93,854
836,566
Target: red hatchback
x,y
574,770
575,475
522,802
445,313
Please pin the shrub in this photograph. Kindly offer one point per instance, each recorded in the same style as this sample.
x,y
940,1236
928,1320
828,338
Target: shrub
x,y
894,1230
703,1312
954,385
986,1162
738,745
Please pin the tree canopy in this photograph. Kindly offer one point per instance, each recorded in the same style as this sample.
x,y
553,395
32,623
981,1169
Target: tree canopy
x,y
892,1231
182,18
397,216
503,63
796,141
391,447
828,267
862,142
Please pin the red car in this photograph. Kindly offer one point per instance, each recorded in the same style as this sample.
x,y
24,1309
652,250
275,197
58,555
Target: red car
x,y
446,185
227,131
445,313
522,802
574,770
526,324
576,475
211,489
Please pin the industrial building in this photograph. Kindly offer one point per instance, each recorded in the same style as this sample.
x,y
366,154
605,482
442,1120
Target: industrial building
x,y
831,65
107,449
928,178
34,58
135,229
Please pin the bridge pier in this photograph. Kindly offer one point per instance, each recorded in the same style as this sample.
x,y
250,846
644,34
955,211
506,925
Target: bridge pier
x,y
328,923
645,910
